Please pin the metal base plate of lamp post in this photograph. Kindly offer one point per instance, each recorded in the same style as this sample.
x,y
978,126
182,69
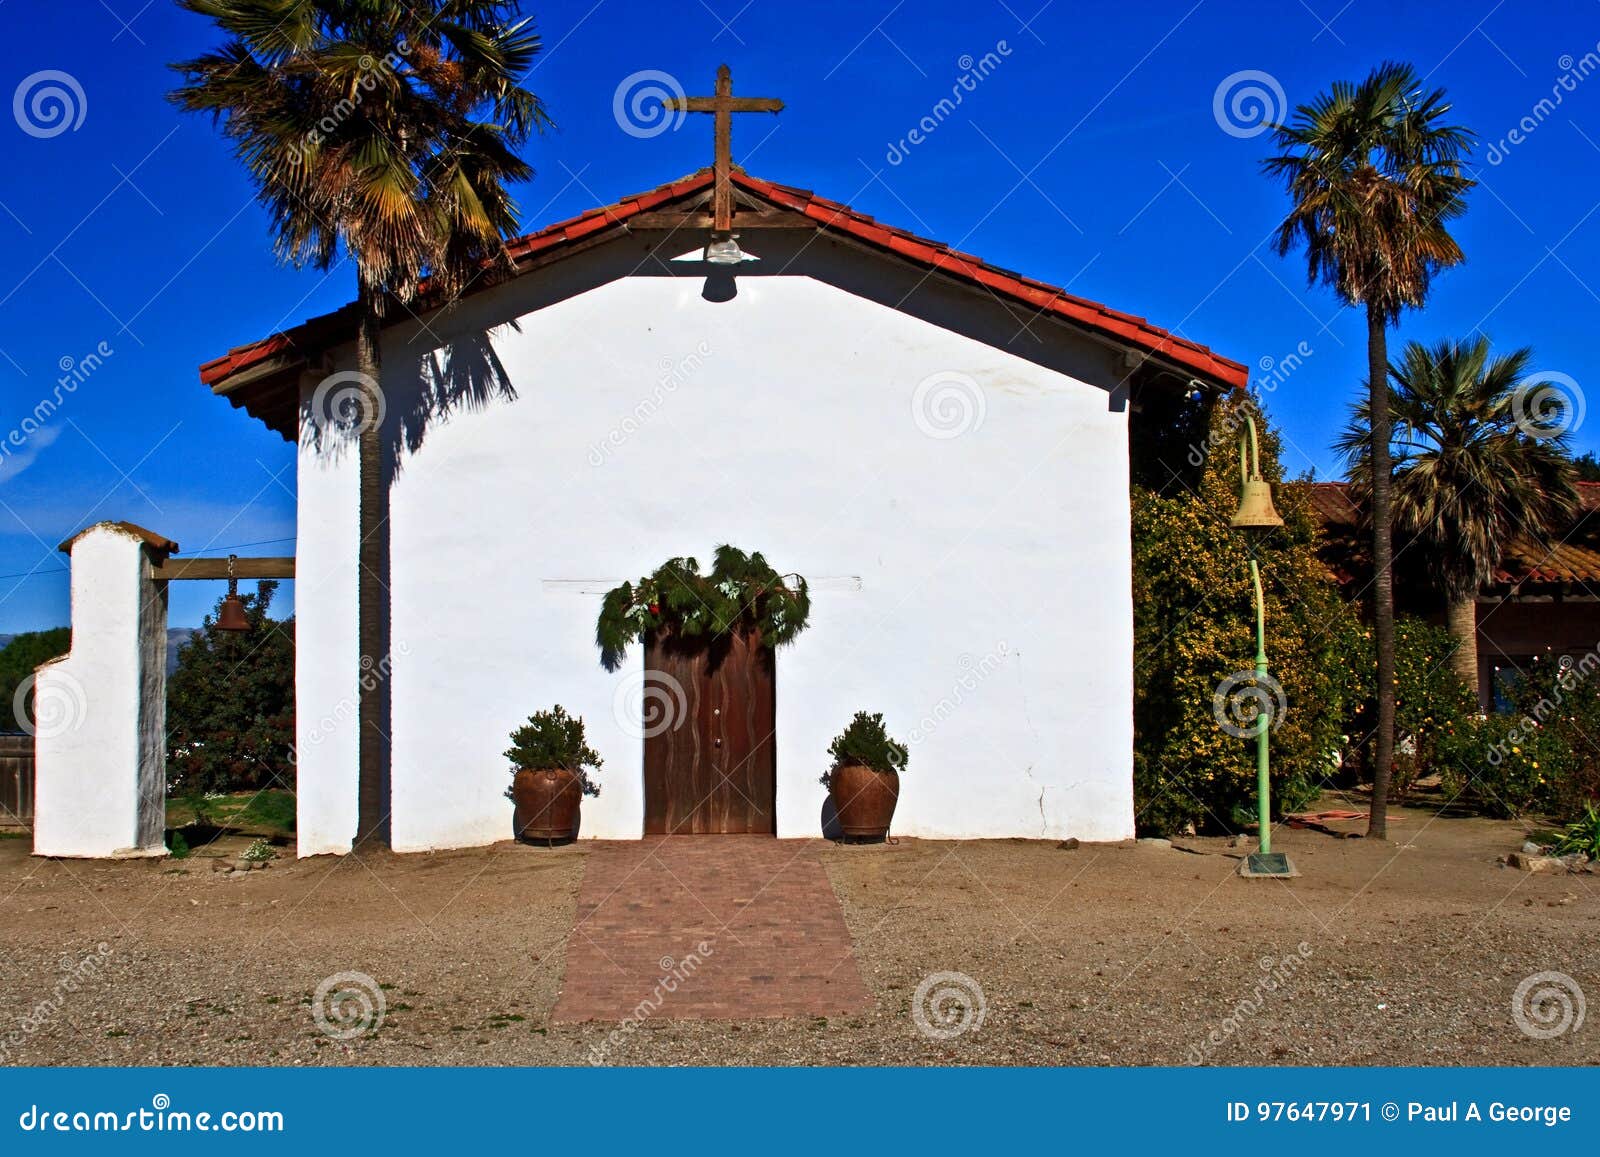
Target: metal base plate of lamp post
x,y
1259,865
1256,512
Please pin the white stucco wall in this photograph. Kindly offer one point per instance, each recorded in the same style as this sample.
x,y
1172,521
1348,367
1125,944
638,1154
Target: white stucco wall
x,y
993,620
100,711
326,677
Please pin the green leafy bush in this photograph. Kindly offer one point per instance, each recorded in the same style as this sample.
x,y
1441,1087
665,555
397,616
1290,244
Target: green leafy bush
x,y
742,591
18,660
1568,703
1502,765
1194,627
866,742
1541,756
230,705
1582,835
553,739
1430,699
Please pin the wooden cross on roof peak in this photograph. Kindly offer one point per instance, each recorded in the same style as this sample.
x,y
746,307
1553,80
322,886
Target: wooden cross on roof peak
x,y
722,106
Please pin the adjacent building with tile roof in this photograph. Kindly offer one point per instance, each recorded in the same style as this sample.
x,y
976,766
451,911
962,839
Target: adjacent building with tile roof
x,y
1544,604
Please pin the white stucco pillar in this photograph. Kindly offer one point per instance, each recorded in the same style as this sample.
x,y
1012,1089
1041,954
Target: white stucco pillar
x,y
327,669
99,715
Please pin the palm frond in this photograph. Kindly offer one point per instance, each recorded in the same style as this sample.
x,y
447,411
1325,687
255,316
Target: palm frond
x,y
381,129
1374,176
1472,476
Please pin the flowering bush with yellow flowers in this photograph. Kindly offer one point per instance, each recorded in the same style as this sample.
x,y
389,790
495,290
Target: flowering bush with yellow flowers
x,y
1566,702
1503,765
1541,756
1194,627
1430,701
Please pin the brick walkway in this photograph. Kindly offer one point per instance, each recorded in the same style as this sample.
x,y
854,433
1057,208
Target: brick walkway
x,y
708,926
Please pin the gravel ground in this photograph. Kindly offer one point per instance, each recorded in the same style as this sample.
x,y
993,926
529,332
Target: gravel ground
x,y
1405,952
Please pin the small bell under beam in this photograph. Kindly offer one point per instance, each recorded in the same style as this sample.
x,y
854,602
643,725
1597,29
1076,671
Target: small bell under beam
x,y
232,616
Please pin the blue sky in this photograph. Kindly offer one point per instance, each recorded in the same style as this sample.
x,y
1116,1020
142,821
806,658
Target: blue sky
x,y
1090,154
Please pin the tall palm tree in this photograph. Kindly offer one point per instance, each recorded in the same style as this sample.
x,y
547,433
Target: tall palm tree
x,y
382,132
1373,172
1475,468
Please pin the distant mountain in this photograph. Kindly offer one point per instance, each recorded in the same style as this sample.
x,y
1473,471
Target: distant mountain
x,y
4,639
177,637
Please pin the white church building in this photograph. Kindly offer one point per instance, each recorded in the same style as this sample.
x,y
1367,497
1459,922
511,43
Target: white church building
x,y
940,446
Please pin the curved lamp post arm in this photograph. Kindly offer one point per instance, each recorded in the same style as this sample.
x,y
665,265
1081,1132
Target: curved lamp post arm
x,y
1252,469
1249,471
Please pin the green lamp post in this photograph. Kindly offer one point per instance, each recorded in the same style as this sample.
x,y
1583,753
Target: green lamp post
x,y
1256,513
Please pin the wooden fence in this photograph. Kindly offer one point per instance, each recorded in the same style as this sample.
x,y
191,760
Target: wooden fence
x,y
16,780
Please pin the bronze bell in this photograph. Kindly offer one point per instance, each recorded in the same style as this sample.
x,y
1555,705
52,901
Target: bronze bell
x,y
1255,506
232,616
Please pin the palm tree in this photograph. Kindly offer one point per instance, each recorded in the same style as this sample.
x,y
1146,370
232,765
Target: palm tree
x,y
1374,175
1475,468
382,132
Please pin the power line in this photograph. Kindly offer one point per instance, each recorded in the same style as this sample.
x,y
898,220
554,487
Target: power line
x,y
36,573
242,545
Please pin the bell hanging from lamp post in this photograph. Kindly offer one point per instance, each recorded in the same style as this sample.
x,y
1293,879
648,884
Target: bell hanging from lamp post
x,y
1255,492
1256,512
232,616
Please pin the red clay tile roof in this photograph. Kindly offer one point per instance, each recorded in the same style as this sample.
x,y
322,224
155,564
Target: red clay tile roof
x,y
963,266
1573,558
312,337
1333,505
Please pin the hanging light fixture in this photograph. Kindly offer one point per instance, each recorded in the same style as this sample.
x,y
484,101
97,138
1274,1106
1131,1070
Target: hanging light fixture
x,y
722,249
232,616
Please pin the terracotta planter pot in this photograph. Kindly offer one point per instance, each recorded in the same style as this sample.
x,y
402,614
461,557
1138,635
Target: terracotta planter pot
x,y
864,800
547,804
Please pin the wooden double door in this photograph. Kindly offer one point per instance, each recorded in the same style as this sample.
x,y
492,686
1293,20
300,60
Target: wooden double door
x,y
709,754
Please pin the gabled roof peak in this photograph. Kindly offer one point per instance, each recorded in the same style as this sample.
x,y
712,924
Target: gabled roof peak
x,y
262,375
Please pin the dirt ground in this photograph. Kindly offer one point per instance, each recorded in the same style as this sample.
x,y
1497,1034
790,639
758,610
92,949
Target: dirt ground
x,y
1406,952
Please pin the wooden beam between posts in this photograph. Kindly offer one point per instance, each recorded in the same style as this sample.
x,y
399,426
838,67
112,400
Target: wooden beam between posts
x,y
174,569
